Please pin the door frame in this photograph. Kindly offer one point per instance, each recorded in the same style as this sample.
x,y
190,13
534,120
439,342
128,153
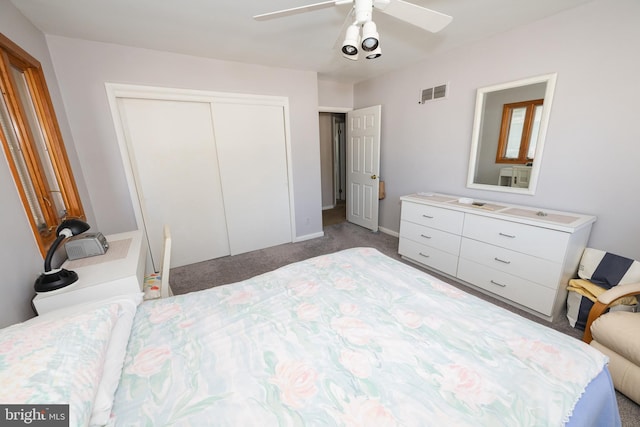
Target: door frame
x,y
341,110
120,90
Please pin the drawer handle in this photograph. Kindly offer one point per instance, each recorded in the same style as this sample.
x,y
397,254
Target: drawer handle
x,y
427,216
502,261
425,236
498,284
511,236
424,255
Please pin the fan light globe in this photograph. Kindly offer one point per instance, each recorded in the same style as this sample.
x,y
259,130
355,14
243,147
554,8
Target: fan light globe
x,y
374,54
370,37
349,50
351,41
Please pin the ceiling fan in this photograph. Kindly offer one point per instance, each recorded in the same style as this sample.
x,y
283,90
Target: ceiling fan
x,y
362,33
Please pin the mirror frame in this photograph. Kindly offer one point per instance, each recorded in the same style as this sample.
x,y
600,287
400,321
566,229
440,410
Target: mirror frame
x,y
550,80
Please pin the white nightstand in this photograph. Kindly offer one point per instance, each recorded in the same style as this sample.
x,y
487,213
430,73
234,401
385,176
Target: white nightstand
x,y
118,272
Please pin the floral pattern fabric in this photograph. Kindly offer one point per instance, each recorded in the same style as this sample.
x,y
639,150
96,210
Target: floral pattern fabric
x,y
57,361
353,338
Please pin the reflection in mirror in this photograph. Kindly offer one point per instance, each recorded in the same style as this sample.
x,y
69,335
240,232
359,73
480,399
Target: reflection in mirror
x,y
509,129
519,131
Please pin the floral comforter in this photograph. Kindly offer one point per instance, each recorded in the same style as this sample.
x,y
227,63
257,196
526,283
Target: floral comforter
x,y
353,338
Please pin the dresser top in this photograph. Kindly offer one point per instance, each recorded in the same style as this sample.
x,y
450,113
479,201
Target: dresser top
x,y
556,220
121,260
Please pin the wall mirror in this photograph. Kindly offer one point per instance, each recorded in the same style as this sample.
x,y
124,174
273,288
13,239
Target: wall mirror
x,y
509,129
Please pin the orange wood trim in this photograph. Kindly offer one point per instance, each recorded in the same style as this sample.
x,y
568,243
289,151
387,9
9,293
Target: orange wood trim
x,y
596,311
18,53
525,140
25,138
13,55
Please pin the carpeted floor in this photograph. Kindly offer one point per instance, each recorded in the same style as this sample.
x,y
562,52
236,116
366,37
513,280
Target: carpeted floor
x,y
340,235
335,215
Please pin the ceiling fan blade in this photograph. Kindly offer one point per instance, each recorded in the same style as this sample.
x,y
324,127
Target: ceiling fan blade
x,y
419,16
295,10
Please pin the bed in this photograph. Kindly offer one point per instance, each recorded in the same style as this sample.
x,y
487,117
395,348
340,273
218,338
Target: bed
x,y
353,338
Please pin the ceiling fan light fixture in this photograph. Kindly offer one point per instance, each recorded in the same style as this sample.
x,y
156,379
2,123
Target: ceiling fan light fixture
x,y
351,42
370,37
351,57
349,50
374,54
362,10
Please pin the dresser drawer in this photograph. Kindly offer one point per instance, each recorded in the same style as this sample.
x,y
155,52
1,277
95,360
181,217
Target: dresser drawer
x,y
534,269
524,292
438,239
536,241
434,258
431,216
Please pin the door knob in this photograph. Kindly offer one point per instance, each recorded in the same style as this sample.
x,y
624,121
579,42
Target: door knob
x,y
374,176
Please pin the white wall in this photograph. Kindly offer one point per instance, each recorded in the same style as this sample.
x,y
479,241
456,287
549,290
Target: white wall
x,y
335,95
20,258
83,67
591,158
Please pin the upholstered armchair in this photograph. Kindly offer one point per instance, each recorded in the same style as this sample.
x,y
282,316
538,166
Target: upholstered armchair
x,y
616,334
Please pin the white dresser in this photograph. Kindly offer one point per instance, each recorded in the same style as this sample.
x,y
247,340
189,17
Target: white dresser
x,y
521,255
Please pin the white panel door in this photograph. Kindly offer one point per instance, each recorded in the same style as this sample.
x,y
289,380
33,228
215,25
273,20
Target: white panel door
x,y
252,153
175,166
363,166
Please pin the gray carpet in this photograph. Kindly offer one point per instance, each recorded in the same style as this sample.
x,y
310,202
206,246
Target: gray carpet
x,y
336,237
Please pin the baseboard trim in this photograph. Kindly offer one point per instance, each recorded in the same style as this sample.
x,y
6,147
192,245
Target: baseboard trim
x,y
308,237
389,232
321,234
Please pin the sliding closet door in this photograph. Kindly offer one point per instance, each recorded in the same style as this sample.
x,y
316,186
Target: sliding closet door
x,y
252,152
173,156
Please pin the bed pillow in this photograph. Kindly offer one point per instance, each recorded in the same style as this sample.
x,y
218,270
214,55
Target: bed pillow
x,y
57,360
114,360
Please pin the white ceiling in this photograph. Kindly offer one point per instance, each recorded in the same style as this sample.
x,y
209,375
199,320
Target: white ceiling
x,y
224,29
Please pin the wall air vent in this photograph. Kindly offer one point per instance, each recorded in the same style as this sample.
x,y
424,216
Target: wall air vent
x,y
440,92
434,93
427,95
